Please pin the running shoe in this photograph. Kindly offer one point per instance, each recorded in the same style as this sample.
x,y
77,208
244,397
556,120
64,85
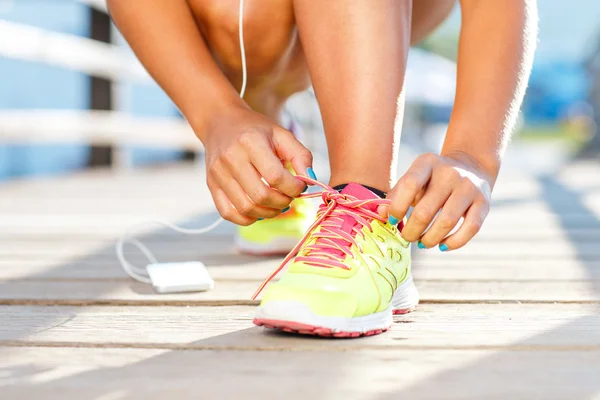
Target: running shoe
x,y
279,235
346,276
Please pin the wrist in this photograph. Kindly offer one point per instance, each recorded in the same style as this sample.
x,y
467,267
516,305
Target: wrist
x,y
204,117
485,164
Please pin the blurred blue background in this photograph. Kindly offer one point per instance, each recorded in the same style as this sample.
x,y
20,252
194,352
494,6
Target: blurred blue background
x,y
32,85
560,100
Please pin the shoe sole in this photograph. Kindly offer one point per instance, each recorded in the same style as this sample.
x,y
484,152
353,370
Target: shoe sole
x,y
293,317
280,246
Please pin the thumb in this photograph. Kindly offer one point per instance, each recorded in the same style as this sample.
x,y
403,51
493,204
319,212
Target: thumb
x,y
383,210
289,149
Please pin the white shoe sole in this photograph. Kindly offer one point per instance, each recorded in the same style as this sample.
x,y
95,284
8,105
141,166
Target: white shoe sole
x,y
291,316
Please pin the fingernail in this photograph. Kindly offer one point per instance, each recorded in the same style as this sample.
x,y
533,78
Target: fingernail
x,y
421,245
311,173
393,220
260,219
444,247
305,189
285,209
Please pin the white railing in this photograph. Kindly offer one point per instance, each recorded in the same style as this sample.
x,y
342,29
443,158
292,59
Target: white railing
x,y
99,5
24,42
94,127
94,58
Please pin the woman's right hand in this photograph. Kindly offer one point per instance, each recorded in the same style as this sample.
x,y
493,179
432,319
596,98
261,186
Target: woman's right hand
x,y
242,148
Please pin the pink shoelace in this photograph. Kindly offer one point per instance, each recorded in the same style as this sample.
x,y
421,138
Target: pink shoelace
x,y
332,242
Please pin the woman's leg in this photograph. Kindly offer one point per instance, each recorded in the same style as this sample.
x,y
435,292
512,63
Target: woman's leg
x,y
277,66
275,60
357,52
427,16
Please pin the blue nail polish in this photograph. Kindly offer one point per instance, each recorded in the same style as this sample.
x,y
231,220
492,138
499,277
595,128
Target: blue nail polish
x,y
392,220
260,219
285,209
305,189
421,245
444,247
311,173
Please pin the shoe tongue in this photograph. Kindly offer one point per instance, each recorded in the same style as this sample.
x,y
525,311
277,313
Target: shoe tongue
x,y
361,193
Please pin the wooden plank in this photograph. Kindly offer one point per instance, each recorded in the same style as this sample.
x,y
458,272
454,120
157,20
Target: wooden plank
x,y
75,373
239,292
472,326
70,188
231,266
157,235
498,235
173,250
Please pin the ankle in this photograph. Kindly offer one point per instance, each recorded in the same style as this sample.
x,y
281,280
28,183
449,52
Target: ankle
x,y
378,192
381,185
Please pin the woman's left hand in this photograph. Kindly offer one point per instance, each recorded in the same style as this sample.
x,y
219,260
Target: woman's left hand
x,y
455,186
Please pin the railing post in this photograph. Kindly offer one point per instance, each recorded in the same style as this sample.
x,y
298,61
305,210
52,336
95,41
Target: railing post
x,y
101,90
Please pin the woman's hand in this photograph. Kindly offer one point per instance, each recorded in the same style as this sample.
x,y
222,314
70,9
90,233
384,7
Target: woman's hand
x,y
454,184
243,148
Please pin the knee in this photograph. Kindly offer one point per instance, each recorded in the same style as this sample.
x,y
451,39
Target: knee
x,y
268,33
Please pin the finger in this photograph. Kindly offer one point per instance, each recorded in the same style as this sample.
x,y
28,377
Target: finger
x,y
226,209
425,210
267,162
241,201
418,197
383,209
471,225
260,193
290,149
456,206
406,190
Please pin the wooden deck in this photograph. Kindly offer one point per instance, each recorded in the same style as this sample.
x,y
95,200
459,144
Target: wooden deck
x,y
513,315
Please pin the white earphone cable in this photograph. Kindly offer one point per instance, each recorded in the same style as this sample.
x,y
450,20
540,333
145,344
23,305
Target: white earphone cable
x,y
242,49
139,273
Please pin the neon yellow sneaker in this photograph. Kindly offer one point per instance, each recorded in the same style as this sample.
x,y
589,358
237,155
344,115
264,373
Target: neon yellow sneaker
x,y
347,276
276,235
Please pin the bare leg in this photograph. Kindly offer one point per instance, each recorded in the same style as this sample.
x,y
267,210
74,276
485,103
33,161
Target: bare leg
x,y
427,16
276,62
275,59
356,52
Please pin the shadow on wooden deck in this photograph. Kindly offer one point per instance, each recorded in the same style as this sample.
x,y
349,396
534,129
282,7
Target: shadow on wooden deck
x,y
514,374
263,370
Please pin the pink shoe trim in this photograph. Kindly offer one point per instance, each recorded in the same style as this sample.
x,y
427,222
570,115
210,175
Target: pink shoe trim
x,y
403,311
304,329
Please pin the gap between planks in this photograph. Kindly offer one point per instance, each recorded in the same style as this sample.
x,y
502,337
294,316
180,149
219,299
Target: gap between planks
x,y
334,348
227,303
